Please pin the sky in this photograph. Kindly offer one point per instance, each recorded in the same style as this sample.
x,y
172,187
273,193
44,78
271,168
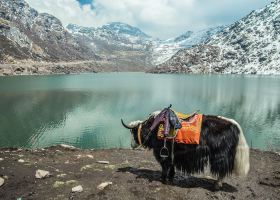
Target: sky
x,y
158,18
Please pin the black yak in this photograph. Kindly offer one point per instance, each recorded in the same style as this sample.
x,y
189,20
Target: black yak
x,y
222,146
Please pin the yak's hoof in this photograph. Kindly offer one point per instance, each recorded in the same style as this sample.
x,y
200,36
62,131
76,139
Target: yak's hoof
x,y
170,181
167,181
218,185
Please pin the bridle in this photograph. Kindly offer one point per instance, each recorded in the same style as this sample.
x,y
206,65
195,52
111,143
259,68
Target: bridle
x,y
139,135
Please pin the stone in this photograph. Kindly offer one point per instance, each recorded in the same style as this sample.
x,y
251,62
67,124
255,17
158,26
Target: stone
x,y
61,175
110,167
66,146
1,159
79,156
58,184
1,181
86,167
42,174
103,162
71,182
90,156
21,160
78,188
103,185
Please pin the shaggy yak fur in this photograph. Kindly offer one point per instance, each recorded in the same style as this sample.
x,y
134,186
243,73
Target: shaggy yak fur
x,y
222,146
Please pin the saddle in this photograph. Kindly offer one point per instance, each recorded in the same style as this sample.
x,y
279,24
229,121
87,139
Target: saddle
x,y
188,133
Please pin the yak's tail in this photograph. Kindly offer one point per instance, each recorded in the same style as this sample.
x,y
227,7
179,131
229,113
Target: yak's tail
x,y
241,161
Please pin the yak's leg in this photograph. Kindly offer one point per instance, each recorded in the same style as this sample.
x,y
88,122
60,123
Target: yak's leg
x,y
171,174
219,183
168,171
164,172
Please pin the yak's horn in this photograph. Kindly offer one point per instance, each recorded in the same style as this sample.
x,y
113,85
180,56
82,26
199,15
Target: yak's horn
x,y
126,126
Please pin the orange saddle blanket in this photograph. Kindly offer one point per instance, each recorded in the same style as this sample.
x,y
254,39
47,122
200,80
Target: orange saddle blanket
x,y
188,134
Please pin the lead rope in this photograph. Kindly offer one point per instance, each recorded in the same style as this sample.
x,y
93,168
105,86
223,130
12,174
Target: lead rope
x,y
172,152
139,134
172,147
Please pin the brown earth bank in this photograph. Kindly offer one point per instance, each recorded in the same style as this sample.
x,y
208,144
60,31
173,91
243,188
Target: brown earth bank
x,y
134,174
71,67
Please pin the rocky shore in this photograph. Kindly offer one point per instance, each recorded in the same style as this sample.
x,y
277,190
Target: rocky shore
x,y
73,67
63,172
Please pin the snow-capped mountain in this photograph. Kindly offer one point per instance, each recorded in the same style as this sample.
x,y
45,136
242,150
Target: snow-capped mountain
x,y
27,34
250,46
116,42
123,37
112,36
164,50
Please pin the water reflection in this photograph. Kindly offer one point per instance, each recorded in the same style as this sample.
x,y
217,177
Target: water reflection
x,y
85,110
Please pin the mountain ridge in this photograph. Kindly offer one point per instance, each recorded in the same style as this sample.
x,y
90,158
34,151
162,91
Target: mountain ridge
x,y
28,34
248,46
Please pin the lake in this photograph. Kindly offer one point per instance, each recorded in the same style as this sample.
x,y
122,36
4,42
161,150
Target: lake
x,y
85,110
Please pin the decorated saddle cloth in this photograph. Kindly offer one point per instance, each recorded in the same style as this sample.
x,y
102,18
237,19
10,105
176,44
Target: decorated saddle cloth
x,y
188,134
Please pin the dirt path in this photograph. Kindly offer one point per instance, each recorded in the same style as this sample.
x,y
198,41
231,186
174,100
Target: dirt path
x,y
134,175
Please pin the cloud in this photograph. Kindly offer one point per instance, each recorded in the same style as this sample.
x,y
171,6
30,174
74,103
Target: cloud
x,y
159,18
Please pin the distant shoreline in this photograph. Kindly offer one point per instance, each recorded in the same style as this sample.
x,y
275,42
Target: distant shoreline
x,y
91,66
64,67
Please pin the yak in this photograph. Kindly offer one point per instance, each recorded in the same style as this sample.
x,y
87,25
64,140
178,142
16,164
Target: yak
x,y
222,147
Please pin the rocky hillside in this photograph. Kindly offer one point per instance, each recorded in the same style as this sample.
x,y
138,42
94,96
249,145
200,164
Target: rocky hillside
x,y
112,36
164,50
249,46
116,41
27,34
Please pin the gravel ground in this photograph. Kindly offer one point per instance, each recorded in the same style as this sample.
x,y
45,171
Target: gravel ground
x,y
134,175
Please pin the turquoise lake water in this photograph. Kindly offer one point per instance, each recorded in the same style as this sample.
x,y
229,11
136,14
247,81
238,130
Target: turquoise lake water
x,y
85,110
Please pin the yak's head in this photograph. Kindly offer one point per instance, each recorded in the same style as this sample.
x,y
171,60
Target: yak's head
x,y
140,131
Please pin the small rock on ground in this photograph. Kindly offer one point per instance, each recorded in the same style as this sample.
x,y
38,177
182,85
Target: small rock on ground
x,y
103,185
78,188
90,156
103,162
42,173
58,184
1,181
